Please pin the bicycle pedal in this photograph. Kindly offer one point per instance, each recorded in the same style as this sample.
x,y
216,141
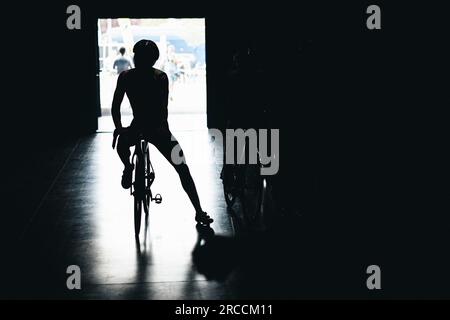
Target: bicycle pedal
x,y
157,198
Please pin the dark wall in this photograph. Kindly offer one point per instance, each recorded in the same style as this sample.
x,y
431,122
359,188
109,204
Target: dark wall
x,y
51,70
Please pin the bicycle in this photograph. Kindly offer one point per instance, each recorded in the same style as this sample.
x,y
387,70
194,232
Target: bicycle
x,y
254,191
144,176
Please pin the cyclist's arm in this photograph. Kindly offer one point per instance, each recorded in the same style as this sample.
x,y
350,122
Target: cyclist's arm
x,y
117,101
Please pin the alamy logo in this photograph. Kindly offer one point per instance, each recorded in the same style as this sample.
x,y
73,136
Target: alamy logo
x,y
73,21
248,146
374,20
74,280
374,280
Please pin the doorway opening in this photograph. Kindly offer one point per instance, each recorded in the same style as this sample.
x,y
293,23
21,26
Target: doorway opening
x,y
181,43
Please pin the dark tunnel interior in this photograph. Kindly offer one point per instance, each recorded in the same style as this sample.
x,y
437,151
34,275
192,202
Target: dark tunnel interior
x,y
363,168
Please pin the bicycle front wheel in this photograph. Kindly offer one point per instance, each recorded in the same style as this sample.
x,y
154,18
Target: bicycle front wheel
x,y
139,188
229,180
147,180
252,199
137,215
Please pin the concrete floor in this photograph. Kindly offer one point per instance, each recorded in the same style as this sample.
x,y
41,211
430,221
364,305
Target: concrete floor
x,y
82,216
86,219
75,213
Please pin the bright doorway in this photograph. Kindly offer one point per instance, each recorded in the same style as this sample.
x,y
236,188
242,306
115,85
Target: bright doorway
x,y
181,43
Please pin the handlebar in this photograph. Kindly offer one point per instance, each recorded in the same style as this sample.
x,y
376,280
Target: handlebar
x,y
116,134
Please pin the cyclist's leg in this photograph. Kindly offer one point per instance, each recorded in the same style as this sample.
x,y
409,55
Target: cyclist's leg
x,y
126,140
124,143
165,142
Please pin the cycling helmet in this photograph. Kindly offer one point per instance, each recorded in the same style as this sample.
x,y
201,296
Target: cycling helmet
x,y
146,52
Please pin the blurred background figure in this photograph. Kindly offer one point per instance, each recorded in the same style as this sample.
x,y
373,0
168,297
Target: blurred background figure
x,y
170,67
122,63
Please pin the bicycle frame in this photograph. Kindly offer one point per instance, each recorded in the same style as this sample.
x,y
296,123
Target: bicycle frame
x,y
257,193
140,158
144,175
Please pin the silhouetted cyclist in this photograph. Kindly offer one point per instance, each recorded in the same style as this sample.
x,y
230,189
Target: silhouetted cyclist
x,y
147,91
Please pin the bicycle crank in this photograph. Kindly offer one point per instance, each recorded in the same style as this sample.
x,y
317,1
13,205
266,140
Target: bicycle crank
x,y
157,198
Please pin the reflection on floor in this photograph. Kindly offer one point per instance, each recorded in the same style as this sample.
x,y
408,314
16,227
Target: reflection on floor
x,y
87,220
